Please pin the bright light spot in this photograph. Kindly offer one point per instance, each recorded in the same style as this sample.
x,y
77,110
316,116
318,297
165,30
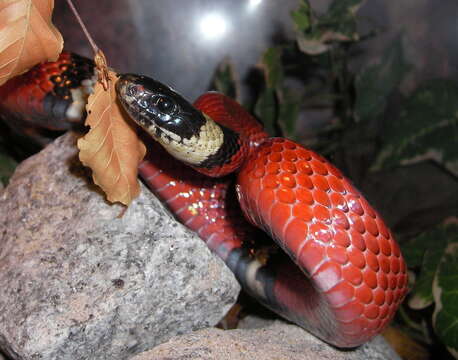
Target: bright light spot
x,y
213,26
253,4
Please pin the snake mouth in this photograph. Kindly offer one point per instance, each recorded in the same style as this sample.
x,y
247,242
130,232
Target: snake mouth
x,y
130,96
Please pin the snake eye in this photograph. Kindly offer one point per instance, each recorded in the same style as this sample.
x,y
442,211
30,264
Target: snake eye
x,y
132,90
165,105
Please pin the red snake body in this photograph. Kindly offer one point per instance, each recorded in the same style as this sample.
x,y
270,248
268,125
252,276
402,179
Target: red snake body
x,y
350,276
41,98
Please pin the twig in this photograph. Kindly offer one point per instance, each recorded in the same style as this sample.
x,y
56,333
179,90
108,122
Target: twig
x,y
99,56
95,48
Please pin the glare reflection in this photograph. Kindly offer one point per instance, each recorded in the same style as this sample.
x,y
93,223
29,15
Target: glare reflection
x,y
213,26
252,4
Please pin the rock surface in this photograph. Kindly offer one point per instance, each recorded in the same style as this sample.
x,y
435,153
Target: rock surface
x,y
277,341
80,282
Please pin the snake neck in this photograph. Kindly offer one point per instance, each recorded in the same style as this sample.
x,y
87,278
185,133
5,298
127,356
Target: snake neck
x,y
241,132
215,150
221,150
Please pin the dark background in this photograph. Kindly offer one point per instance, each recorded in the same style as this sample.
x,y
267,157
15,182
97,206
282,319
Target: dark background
x,y
164,38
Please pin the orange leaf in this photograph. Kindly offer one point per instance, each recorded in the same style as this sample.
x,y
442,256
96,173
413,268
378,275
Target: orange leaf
x,y
27,36
111,148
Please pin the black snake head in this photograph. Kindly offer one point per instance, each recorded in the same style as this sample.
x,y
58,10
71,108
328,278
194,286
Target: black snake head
x,y
179,127
157,108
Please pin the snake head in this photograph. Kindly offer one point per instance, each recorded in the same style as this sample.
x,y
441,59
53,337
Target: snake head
x,y
185,132
157,108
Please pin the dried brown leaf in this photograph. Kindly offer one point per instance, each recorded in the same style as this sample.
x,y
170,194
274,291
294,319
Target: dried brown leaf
x,y
27,36
111,148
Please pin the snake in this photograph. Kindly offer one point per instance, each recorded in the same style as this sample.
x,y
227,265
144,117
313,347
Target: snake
x,y
296,233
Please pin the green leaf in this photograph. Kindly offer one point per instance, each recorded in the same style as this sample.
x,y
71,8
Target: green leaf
x,y
312,45
426,129
435,242
289,113
341,17
225,80
445,317
266,109
302,17
413,198
338,24
273,68
377,82
344,7
414,250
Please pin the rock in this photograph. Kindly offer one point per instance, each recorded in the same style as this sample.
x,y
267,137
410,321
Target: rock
x,y
278,341
255,322
80,280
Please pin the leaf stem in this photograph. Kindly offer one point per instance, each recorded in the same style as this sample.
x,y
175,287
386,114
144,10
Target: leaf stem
x,y
95,48
99,56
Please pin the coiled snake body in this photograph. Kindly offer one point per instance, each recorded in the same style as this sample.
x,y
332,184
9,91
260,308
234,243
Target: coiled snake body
x,y
334,268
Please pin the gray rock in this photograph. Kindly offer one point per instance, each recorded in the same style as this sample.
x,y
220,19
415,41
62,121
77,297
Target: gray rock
x,y
278,341
79,281
254,322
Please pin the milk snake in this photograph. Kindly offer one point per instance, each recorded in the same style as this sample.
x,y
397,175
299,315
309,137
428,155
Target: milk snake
x,y
334,267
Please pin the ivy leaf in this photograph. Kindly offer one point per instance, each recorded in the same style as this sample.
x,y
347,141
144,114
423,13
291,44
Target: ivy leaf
x,y
317,34
226,81
377,82
266,109
414,250
445,317
397,193
277,104
341,17
273,69
289,113
435,242
302,17
426,129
